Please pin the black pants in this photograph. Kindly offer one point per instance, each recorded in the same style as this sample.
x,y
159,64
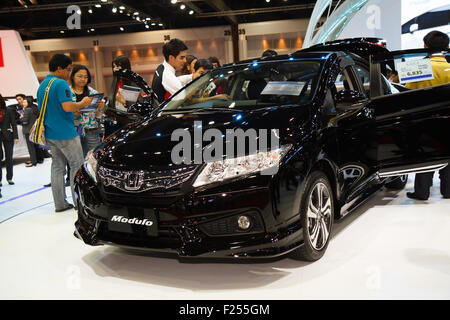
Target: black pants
x,y
9,147
31,149
424,181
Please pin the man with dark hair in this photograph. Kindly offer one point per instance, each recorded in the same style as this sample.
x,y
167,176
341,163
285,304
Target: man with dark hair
x,y
269,53
60,131
165,82
201,67
436,41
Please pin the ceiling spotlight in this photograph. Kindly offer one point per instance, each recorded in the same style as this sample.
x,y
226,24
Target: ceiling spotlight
x,y
182,7
90,10
121,29
120,11
114,9
153,24
173,1
267,1
136,13
92,29
62,31
122,8
148,19
79,12
104,0
138,19
191,12
98,5
147,26
160,24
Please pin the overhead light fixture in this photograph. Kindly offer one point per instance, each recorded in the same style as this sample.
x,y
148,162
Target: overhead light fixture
x,y
147,26
191,12
114,10
148,19
136,13
90,10
160,24
98,5
121,29
104,0
92,29
138,19
62,31
174,1
182,7
153,24
79,12
122,8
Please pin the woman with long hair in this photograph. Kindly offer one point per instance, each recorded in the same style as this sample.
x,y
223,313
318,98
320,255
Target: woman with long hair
x,y
188,67
86,122
30,114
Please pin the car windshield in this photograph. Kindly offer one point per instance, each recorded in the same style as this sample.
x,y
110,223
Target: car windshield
x,y
250,86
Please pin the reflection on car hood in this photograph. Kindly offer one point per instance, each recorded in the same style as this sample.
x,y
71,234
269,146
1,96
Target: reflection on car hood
x,y
149,144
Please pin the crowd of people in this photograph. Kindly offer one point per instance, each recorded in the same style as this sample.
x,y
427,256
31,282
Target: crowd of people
x,y
71,133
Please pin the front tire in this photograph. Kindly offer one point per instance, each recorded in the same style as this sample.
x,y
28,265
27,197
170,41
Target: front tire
x,y
316,216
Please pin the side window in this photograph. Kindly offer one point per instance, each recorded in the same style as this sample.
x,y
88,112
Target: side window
x,y
345,81
364,76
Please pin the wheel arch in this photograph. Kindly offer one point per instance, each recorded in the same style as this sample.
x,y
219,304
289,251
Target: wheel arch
x,y
326,166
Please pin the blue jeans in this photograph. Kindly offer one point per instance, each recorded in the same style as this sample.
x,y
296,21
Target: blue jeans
x,y
64,151
90,140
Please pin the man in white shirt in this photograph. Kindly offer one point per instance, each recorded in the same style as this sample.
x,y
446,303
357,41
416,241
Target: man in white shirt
x,y
165,82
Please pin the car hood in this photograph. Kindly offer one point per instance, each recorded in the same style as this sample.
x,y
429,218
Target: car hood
x,y
149,144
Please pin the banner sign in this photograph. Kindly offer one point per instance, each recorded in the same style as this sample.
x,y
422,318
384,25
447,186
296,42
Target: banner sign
x,y
1,54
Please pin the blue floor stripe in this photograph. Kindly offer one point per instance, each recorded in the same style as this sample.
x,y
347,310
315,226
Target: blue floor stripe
x,y
23,195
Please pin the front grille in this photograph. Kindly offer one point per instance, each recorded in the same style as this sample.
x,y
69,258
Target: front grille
x,y
139,181
167,238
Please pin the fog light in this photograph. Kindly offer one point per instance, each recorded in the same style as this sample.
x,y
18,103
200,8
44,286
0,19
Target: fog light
x,y
244,222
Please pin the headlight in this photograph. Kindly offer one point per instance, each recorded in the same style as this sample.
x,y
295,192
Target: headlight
x,y
90,164
265,162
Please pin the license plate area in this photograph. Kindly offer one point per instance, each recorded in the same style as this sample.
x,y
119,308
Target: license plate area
x,y
136,221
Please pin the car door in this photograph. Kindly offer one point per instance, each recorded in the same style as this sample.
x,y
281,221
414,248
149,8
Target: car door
x,y
411,127
130,99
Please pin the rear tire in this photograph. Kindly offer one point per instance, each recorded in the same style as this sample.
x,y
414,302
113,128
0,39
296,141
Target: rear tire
x,y
316,216
398,183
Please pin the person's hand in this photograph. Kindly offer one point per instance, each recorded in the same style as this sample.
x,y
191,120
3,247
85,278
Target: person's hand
x,y
101,105
86,101
16,141
222,96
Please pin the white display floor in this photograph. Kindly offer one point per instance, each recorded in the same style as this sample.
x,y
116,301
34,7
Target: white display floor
x,y
390,248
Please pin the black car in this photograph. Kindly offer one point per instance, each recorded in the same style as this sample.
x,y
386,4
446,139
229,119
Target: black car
x,y
344,132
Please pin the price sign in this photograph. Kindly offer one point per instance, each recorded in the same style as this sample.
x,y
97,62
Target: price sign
x,y
415,70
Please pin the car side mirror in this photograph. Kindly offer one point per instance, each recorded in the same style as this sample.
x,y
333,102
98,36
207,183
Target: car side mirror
x,y
347,98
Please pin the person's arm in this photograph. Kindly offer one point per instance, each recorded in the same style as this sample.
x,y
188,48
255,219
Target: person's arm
x,y
64,97
185,79
71,106
12,121
171,83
